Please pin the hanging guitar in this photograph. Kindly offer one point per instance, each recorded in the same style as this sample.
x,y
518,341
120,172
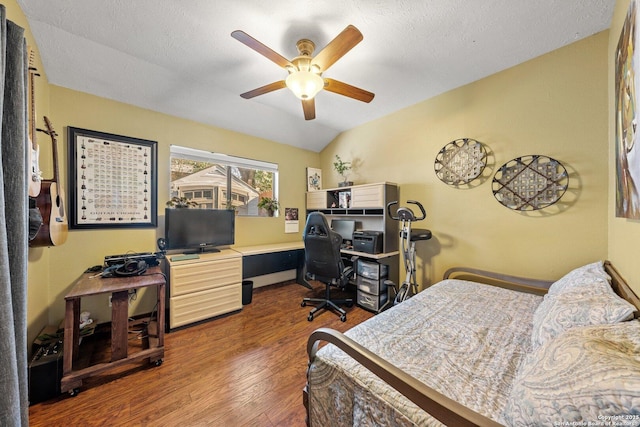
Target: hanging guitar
x,y
33,168
35,175
50,201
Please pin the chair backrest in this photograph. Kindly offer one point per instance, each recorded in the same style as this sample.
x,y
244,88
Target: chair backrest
x,y
322,248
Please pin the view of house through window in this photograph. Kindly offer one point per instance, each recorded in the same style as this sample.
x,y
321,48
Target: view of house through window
x,y
219,181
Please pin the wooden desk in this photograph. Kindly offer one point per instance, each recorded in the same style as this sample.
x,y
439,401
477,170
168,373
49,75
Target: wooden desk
x,y
265,259
119,288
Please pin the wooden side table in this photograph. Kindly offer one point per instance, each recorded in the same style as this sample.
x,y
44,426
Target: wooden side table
x,y
119,288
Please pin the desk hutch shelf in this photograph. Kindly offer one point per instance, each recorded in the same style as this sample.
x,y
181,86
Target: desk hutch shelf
x,y
366,204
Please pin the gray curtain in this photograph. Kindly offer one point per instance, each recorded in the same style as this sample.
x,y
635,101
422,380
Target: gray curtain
x,y
14,401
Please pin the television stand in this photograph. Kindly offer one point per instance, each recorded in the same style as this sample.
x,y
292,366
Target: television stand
x,y
204,287
207,250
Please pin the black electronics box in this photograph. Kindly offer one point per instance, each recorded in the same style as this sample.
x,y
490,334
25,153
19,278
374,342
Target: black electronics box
x,y
45,372
150,258
367,241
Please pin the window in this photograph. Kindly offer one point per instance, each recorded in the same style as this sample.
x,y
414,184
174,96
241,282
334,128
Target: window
x,y
219,181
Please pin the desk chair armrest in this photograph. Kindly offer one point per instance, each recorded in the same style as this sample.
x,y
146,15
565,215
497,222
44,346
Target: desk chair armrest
x,y
347,274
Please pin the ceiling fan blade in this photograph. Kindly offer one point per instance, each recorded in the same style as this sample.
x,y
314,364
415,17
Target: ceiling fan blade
x,y
265,51
264,89
343,43
309,108
344,89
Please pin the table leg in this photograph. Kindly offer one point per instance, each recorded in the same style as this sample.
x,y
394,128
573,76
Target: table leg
x,y
119,325
161,313
71,334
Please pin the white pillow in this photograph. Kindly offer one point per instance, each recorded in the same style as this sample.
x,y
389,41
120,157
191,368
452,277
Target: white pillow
x,y
577,307
590,278
586,375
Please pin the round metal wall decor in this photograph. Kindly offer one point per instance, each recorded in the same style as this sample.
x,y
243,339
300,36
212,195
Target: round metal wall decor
x,y
460,161
530,182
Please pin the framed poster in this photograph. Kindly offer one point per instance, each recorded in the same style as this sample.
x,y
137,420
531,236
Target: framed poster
x,y
626,117
314,179
112,180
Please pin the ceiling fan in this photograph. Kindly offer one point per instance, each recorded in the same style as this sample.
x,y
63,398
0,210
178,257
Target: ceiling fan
x,y
305,71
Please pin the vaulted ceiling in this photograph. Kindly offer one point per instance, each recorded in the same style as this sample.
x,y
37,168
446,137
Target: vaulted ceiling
x,y
178,58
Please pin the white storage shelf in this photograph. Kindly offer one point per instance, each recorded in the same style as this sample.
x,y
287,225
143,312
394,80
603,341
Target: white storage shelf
x,y
367,199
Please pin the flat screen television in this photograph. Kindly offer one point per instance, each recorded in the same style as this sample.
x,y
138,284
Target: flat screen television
x,y
199,230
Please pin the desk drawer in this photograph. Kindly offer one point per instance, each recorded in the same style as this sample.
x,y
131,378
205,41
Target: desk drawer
x,y
197,306
370,301
371,270
204,275
371,286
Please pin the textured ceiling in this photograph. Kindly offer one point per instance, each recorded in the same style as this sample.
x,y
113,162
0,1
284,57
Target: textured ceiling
x,y
178,57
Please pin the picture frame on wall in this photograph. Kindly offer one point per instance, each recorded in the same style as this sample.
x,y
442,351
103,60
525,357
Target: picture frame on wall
x,y
314,179
626,117
112,180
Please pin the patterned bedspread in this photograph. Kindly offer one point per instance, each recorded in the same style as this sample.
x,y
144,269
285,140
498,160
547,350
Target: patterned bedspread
x,y
463,339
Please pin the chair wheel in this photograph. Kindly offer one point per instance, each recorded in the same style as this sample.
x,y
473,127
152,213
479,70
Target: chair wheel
x,y
158,362
303,304
310,317
74,392
343,318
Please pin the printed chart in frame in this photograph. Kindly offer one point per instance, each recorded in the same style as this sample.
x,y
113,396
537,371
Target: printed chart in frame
x,y
114,180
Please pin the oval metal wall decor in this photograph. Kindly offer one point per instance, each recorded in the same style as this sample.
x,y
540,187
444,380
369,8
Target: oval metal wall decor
x,y
530,182
460,161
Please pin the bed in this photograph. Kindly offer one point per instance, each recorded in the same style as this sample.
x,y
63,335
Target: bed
x,y
480,348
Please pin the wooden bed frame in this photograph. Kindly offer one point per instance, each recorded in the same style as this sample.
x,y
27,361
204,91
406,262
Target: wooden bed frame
x,y
436,404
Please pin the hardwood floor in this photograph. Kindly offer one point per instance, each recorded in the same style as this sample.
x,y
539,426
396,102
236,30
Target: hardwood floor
x,y
244,369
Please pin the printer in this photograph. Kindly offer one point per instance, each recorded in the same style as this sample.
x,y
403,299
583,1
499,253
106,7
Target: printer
x,y
367,241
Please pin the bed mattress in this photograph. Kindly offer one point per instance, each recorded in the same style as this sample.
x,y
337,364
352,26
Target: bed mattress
x,y
464,339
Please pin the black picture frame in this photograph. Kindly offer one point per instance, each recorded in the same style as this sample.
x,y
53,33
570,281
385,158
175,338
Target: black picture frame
x,y
113,180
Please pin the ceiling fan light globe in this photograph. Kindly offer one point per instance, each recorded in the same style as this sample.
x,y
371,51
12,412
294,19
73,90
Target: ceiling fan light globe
x,y
304,84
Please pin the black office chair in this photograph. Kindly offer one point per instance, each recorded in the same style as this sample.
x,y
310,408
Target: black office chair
x,y
323,263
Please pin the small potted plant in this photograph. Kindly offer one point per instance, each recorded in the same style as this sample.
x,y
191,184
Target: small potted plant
x,y
342,168
230,207
268,204
181,202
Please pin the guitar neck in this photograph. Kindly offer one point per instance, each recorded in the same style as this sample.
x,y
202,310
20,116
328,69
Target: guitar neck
x,y
32,98
54,148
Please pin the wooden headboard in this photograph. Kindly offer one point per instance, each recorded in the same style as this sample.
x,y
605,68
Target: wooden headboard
x,y
621,287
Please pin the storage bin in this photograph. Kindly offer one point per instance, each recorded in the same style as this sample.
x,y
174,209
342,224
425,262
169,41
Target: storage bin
x,y
371,302
372,270
371,286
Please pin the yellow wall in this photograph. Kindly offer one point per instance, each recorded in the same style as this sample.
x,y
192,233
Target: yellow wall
x,y
85,248
53,270
624,234
555,105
